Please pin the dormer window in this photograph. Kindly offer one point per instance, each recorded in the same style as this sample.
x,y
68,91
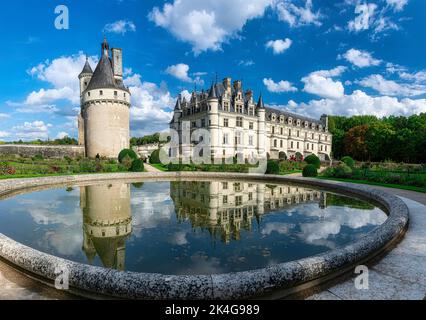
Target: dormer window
x,y
273,117
290,120
298,123
306,124
282,119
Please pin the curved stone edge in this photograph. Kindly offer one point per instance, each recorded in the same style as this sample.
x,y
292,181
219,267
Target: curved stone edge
x,y
255,283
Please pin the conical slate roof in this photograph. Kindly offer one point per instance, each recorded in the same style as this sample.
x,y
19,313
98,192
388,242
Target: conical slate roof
x,y
260,104
212,92
87,69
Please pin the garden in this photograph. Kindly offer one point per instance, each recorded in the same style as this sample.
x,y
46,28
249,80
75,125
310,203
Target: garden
x,y
16,166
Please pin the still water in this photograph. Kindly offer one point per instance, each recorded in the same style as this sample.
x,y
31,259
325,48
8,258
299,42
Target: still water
x,y
186,227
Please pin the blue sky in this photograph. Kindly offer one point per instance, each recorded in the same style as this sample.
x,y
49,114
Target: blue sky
x,y
311,57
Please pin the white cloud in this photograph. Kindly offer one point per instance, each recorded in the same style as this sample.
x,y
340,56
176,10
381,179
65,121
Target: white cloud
x,y
62,135
246,63
4,116
298,16
121,26
330,73
277,87
359,103
360,58
209,23
279,46
45,96
397,5
391,88
323,86
363,20
151,106
417,77
32,130
179,71
4,134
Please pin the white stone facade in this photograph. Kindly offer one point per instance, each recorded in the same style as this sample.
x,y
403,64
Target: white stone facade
x,y
237,125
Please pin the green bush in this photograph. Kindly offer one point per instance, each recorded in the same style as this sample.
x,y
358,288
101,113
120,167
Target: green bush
x,y
342,171
329,172
87,166
137,166
314,160
310,171
38,157
272,167
348,161
127,152
155,157
127,162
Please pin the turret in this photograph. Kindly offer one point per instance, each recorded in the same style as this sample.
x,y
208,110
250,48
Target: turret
x,y
324,121
261,114
85,76
213,119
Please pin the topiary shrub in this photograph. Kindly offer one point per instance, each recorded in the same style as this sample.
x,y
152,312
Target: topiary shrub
x,y
137,166
127,162
272,167
310,171
314,160
299,157
343,171
329,172
127,152
348,161
155,157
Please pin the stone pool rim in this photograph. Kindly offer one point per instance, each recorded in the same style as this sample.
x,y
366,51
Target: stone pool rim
x,y
273,281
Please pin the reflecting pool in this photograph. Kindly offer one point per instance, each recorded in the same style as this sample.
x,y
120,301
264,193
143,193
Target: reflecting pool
x,y
186,227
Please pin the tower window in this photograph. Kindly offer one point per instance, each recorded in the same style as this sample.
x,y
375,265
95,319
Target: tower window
x,y
101,93
124,94
88,94
115,93
85,84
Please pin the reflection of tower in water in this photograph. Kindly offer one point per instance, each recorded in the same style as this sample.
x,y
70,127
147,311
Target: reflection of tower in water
x,y
107,221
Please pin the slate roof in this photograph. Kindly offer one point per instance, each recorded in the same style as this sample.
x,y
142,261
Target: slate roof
x,y
87,69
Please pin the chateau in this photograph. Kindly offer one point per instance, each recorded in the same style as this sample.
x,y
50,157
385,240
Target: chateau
x,y
240,127
104,121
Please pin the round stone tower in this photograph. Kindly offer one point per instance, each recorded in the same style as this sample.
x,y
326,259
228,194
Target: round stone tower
x,y
105,106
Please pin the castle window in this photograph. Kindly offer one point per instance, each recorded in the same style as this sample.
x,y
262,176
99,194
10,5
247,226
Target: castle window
x,y
325,148
225,122
203,123
124,94
326,138
289,132
282,131
88,94
238,200
115,93
313,136
85,84
298,145
101,93
225,185
194,124
273,130
292,144
226,138
239,122
225,199
240,109
250,196
275,143
281,144
250,140
251,125
298,133
238,138
307,146
226,106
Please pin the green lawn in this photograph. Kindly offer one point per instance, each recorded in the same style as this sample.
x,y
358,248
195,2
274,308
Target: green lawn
x,y
387,185
160,167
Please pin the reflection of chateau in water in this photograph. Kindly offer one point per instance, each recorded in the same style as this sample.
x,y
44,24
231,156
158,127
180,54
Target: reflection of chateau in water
x,y
107,222
226,207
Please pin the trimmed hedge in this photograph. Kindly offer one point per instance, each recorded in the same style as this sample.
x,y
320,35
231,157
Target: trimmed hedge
x,y
348,161
127,152
137,166
310,171
155,157
273,167
314,160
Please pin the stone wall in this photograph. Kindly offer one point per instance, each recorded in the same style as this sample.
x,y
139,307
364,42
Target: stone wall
x,y
45,151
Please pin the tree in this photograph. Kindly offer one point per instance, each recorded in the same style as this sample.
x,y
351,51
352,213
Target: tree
x,y
354,143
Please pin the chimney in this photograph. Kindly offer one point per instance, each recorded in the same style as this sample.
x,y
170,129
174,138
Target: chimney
x,y
117,63
237,85
227,85
249,95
